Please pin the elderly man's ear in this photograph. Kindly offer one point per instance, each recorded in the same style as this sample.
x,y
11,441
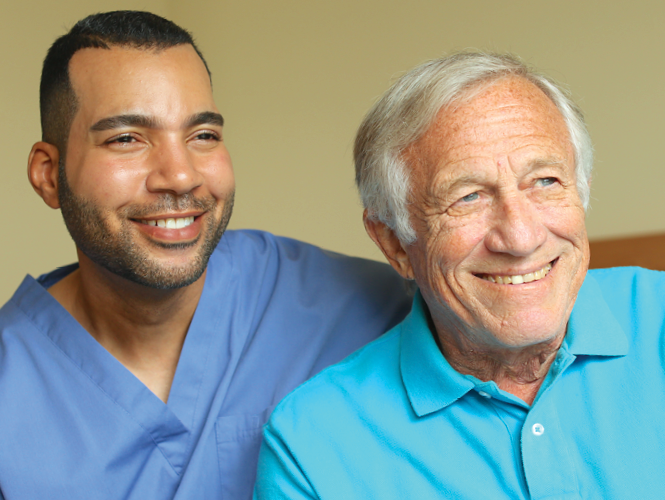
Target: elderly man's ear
x,y
392,248
43,172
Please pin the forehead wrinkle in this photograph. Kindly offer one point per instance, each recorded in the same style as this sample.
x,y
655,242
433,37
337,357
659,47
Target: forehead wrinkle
x,y
450,140
492,128
446,164
466,131
502,95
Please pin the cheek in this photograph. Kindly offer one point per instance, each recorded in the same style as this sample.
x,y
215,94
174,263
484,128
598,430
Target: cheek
x,y
112,184
567,222
219,176
448,251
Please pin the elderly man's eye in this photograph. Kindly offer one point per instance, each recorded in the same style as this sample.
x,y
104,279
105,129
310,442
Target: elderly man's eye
x,y
547,181
470,197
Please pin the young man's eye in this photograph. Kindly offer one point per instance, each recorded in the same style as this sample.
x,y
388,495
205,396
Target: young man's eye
x,y
123,139
207,136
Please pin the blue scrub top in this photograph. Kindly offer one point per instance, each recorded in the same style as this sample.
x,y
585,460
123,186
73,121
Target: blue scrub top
x,y
75,424
396,421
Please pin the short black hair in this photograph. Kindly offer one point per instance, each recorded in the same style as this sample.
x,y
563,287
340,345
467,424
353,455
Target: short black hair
x,y
124,28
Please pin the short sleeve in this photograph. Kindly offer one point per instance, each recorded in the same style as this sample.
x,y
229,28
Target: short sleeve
x,y
279,477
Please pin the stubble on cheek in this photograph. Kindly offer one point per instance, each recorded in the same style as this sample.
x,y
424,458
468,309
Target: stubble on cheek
x,y
117,248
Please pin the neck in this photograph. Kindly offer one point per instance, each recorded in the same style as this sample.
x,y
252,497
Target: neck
x,y
142,327
519,371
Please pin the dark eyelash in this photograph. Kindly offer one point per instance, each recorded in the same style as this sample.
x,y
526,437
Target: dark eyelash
x,y
118,137
212,135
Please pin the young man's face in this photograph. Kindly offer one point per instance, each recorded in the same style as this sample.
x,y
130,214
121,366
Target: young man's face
x,y
147,188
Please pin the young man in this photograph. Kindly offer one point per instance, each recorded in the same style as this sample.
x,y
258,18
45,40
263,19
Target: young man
x,y
147,369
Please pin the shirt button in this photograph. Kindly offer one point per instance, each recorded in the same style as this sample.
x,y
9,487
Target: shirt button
x,y
538,429
484,394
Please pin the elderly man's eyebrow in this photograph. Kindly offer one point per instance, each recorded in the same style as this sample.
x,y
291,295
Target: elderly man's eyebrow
x,y
475,178
451,185
120,121
205,118
464,180
548,162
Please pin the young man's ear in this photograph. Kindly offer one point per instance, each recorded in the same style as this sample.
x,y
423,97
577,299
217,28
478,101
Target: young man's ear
x,y
43,172
392,248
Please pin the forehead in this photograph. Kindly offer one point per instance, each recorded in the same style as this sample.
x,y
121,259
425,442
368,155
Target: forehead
x,y
509,117
119,80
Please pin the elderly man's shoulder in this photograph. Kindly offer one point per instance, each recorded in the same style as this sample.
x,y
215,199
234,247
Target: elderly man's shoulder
x,y
629,274
632,296
622,286
346,389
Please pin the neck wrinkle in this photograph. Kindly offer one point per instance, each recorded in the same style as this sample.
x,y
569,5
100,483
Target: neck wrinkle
x,y
518,371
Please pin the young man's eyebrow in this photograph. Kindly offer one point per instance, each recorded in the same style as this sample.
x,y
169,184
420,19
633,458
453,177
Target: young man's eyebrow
x,y
119,121
207,117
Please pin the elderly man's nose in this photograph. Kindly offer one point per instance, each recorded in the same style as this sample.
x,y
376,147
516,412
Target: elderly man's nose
x,y
173,170
517,228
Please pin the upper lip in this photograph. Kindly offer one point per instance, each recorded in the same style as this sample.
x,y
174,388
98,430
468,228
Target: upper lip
x,y
169,216
516,273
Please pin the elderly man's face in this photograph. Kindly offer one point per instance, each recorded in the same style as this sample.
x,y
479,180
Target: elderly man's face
x,y
501,248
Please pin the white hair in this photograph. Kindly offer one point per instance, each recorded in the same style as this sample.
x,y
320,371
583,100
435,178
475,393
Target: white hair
x,y
410,107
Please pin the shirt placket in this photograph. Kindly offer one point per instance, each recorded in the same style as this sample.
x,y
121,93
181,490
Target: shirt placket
x,y
548,465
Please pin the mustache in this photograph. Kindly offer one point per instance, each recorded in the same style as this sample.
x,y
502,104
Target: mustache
x,y
168,202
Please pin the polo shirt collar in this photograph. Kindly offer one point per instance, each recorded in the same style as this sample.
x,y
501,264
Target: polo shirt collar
x,y
592,328
432,384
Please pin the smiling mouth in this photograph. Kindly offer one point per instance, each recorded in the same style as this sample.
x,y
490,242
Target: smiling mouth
x,y
171,223
518,279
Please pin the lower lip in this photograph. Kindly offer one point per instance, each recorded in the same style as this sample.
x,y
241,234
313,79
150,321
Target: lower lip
x,y
183,234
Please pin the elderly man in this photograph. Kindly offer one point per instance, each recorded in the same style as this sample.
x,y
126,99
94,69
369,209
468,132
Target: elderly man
x,y
146,370
517,373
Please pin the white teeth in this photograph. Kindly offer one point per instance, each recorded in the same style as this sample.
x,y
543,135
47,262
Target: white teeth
x,y
170,223
518,279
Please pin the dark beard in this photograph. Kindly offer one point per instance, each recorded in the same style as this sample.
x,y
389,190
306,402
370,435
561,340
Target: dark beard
x,y
120,254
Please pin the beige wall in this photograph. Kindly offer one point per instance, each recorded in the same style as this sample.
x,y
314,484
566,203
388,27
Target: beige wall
x,y
294,78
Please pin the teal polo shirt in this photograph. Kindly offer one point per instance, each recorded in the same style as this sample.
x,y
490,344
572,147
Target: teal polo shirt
x,y
396,421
